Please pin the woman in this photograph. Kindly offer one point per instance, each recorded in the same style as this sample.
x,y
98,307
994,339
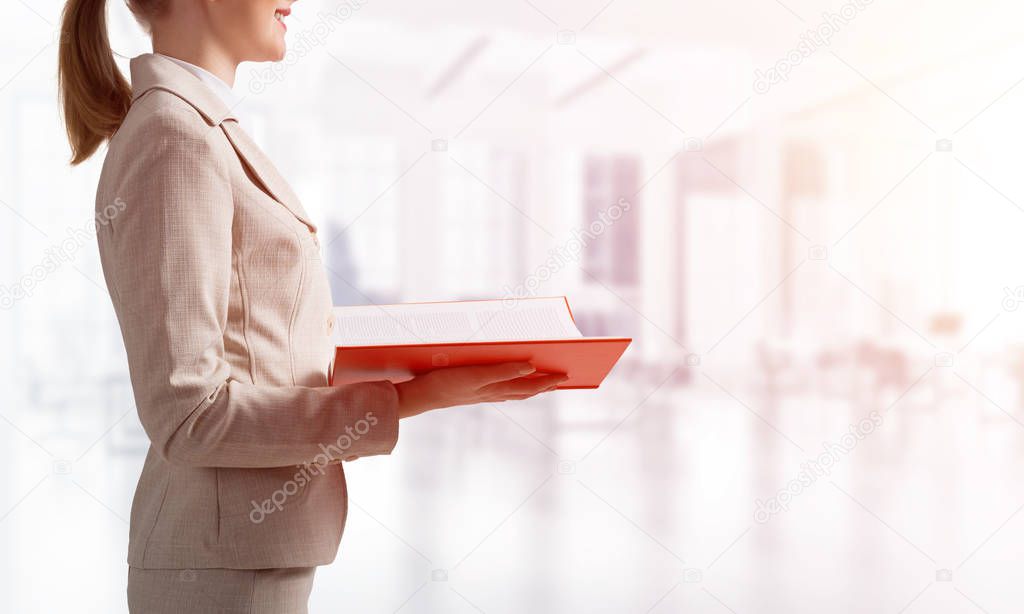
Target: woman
x,y
214,271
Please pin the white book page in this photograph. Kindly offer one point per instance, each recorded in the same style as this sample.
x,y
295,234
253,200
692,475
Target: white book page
x,y
454,322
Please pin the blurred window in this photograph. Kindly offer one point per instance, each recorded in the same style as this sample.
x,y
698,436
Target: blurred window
x,y
612,255
367,253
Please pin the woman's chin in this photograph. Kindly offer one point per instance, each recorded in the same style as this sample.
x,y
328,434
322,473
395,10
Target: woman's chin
x,y
268,56
271,51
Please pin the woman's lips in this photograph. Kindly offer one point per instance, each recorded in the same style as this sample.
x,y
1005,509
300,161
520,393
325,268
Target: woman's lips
x,y
279,16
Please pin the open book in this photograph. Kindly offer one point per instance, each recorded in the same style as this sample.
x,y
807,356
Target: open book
x,y
396,342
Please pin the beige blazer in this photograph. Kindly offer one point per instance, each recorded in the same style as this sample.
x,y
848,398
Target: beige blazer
x,y
215,274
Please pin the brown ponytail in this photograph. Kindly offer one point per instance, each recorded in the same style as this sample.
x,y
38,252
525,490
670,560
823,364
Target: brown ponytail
x,y
94,94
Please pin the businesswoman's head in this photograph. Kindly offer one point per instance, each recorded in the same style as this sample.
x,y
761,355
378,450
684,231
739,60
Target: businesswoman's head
x,y
216,34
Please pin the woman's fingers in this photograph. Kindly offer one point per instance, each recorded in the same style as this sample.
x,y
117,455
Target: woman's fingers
x,y
528,386
530,395
483,375
523,397
453,386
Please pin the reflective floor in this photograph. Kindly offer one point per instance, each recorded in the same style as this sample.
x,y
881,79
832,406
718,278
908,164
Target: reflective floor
x,y
651,495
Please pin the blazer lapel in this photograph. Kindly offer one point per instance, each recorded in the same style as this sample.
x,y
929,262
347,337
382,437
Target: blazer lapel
x,y
150,71
273,183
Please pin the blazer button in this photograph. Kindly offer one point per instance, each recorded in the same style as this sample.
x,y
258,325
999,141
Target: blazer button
x,y
330,324
316,241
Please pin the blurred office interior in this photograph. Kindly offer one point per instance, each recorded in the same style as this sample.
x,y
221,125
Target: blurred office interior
x,y
818,220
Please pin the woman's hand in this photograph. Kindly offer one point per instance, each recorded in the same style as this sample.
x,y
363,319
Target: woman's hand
x,y
453,386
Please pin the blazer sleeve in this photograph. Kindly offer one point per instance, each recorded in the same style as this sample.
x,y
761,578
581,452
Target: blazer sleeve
x,y
167,257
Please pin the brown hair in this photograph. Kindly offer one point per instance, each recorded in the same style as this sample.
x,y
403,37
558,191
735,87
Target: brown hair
x,y
94,95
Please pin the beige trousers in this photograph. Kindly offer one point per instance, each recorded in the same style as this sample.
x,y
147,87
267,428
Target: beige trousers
x,y
219,591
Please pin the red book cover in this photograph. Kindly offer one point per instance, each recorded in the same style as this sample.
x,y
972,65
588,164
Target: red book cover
x,y
586,360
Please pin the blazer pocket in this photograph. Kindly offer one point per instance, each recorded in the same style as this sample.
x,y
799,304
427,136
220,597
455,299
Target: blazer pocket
x,y
260,492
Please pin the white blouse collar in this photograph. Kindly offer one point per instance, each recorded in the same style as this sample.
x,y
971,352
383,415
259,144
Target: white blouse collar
x,y
212,81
